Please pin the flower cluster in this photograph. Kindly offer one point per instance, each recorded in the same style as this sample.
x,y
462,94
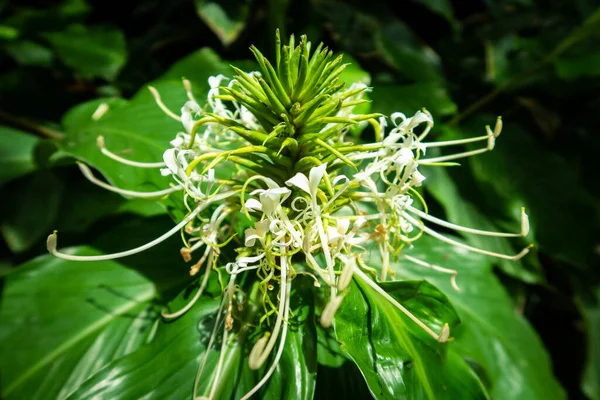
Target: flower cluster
x,y
313,202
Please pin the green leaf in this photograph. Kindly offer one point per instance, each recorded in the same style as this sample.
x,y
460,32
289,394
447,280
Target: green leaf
x,y
492,333
91,51
329,351
463,212
62,321
29,210
225,18
166,368
138,129
402,51
396,357
29,53
408,99
16,153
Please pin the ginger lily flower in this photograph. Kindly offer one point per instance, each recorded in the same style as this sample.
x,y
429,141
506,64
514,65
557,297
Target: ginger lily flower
x,y
313,202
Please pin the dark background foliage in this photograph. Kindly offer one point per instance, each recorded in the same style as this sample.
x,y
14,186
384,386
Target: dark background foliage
x,y
536,63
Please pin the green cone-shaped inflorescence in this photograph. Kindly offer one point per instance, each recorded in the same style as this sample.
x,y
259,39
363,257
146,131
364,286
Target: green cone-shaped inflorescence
x,y
299,104
309,202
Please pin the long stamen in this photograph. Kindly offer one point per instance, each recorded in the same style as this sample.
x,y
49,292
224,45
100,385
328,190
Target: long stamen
x,y
226,328
436,268
454,142
162,106
444,239
441,222
110,154
52,240
280,348
426,161
491,138
258,359
87,172
439,337
188,90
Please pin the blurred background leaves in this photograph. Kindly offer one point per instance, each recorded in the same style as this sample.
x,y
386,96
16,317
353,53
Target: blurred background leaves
x,y
535,63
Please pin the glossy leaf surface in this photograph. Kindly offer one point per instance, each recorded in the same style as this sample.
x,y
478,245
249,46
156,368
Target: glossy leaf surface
x,y
397,358
73,319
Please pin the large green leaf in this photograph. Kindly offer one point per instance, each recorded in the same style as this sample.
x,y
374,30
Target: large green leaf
x,y
138,127
397,358
91,51
492,333
62,321
166,368
16,153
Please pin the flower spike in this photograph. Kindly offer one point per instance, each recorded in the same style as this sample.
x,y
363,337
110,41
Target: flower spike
x,y
266,153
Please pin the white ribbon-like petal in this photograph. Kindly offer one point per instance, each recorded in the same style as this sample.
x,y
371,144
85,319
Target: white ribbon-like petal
x,y
315,176
300,181
253,205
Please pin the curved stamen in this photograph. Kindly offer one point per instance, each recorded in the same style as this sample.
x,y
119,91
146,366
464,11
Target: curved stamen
x,y
441,222
259,358
436,268
110,154
279,349
162,106
188,90
445,239
87,172
52,242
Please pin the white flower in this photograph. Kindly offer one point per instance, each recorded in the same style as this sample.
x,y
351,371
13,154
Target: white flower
x,y
270,200
258,232
309,185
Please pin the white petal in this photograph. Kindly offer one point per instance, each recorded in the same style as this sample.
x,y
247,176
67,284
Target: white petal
x,y
253,205
417,178
300,181
262,227
333,235
170,159
315,176
342,225
251,237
